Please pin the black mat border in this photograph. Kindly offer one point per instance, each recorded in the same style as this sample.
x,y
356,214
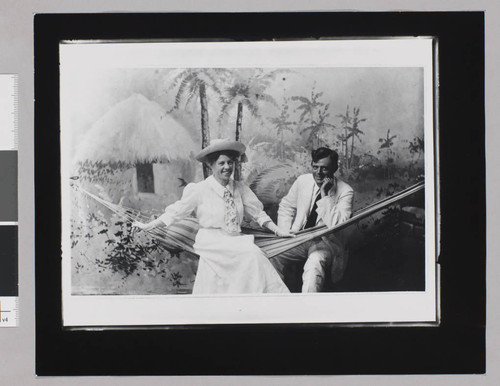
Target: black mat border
x,y
456,346
9,264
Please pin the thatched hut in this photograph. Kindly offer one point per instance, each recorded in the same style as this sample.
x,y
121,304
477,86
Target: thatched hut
x,y
138,153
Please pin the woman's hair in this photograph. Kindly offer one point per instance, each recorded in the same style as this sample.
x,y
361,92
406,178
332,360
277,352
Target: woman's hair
x,y
212,157
323,152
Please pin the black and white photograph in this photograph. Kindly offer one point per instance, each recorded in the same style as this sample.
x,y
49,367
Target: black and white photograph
x,y
249,182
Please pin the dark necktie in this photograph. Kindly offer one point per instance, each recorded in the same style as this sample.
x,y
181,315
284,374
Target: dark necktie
x,y
313,215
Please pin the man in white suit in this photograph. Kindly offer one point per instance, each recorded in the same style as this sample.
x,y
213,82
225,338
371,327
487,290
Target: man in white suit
x,y
315,199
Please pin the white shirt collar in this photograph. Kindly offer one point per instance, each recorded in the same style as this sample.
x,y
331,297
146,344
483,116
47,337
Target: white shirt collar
x,y
218,188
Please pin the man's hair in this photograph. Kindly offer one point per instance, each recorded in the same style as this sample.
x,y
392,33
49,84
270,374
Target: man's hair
x,y
324,152
212,157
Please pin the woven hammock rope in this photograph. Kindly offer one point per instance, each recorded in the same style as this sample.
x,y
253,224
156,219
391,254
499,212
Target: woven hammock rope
x,y
182,234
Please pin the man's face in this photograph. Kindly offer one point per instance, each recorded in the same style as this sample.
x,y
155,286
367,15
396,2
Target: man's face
x,y
321,169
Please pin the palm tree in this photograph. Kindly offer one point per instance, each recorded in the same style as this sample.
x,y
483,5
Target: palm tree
x,y
317,126
191,82
387,144
345,122
308,106
314,113
250,93
282,123
354,132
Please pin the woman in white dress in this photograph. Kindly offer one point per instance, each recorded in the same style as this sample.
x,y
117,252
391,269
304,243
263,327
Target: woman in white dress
x,y
230,262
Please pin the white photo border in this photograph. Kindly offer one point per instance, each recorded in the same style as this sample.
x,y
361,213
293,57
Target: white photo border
x,y
154,310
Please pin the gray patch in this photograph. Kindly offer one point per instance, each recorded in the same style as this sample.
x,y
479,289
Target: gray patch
x,y
8,187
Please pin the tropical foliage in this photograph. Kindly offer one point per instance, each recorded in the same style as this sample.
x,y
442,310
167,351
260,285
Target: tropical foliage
x,y
282,123
192,82
313,117
386,149
278,122
248,93
109,256
349,130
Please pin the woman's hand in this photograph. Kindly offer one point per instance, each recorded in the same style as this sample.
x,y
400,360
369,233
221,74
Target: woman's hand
x,y
146,227
278,231
283,233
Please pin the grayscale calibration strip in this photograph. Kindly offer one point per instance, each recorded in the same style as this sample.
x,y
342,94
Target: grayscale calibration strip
x,y
8,201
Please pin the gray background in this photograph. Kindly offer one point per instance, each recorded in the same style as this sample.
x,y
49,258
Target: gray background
x,y
17,352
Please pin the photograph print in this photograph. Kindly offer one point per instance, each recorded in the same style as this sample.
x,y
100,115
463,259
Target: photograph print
x,y
270,182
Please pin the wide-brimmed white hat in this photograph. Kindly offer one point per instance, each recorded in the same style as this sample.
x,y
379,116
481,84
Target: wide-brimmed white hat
x,y
220,145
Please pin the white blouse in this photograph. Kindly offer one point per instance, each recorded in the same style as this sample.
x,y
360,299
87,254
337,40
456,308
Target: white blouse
x,y
205,198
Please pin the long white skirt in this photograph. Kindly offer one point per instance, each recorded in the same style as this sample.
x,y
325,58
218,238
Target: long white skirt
x,y
233,264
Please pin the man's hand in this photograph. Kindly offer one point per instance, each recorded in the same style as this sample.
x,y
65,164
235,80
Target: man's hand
x,y
328,183
284,233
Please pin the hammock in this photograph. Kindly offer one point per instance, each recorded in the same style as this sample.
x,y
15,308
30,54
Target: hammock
x,y
181,235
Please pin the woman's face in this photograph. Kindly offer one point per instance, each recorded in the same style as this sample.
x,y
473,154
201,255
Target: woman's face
x,y
222,169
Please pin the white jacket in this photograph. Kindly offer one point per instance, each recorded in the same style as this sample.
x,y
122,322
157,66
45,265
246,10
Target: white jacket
x,y
332,209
